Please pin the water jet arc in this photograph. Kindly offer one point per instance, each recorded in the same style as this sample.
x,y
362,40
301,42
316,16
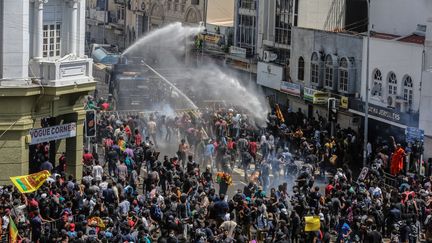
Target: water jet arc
x,y
195,107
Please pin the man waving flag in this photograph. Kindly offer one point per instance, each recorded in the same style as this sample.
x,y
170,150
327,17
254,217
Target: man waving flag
x,y
13,231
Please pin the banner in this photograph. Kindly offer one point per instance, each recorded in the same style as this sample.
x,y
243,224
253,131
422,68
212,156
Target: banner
x,y
30,183
308,94
312,223
290,88
46,134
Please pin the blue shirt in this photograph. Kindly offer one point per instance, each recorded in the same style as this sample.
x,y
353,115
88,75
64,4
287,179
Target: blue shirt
x,y
209,150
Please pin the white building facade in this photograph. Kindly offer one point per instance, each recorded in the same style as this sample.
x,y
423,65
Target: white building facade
x,y
44,75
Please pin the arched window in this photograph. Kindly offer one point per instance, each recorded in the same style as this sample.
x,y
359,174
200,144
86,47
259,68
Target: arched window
x,y
343,75
328,78
314,69
301,65
392,84
377,83
408,90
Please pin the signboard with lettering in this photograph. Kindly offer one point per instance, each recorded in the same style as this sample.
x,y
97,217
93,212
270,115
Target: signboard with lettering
x,y
308,94
321,98
414,134
46,134
389,114
290,88
315,96
238,51
269,75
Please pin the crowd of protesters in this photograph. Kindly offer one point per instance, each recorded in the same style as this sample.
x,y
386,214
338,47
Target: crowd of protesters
x,y
130,192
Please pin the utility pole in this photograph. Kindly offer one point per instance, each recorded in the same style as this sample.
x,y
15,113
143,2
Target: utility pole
x,y
126,32
105,21
366,111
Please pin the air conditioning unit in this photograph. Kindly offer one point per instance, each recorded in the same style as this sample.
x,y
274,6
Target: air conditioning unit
x,y
269,56
391,101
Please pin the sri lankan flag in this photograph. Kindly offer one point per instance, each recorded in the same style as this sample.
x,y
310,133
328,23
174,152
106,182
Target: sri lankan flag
x,y
13,231
279,113
30,183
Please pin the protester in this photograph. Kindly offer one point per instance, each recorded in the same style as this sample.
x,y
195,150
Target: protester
x,y
296,169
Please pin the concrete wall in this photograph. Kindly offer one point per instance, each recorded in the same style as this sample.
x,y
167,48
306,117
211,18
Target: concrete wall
x,y
307,41
398,57
399,17
425,122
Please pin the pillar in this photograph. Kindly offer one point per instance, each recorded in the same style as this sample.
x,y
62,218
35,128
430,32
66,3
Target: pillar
x,y
74,27
74,146
38,28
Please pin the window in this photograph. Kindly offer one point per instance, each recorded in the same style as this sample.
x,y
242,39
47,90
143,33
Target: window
x,y
377,83
51,40
246,32
408,90
283,22
343,75
301,65
248,4
392,84
328,78
176,5
183,6
314,69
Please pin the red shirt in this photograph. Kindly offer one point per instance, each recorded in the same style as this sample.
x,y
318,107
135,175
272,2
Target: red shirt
x,y
105,106
138,139
253,148
230,145
87,158
329,189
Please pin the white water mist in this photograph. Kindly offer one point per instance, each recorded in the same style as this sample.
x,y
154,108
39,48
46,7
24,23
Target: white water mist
x,y
165,49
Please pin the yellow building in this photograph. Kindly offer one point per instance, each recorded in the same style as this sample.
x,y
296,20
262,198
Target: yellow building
x,y
44,76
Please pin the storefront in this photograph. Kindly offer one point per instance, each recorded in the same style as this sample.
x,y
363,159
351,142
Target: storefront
x,y
385,122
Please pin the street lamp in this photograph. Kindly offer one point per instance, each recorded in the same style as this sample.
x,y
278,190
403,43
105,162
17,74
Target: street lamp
x,y
366,123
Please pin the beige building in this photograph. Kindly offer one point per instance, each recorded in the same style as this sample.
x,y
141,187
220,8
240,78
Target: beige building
x,y
44,75
122,22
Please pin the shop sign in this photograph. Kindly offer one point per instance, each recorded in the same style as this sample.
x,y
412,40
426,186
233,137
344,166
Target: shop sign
x,y
384,113
290,88
237,51
47,134
269,75
308,94
389,114
213,38
320,98
315,96
343,102
414,134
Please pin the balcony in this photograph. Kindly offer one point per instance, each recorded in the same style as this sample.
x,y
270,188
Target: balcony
x,y
65,71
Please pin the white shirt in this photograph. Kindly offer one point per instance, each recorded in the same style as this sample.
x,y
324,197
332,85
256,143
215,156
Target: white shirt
x,y
5,222
97,172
